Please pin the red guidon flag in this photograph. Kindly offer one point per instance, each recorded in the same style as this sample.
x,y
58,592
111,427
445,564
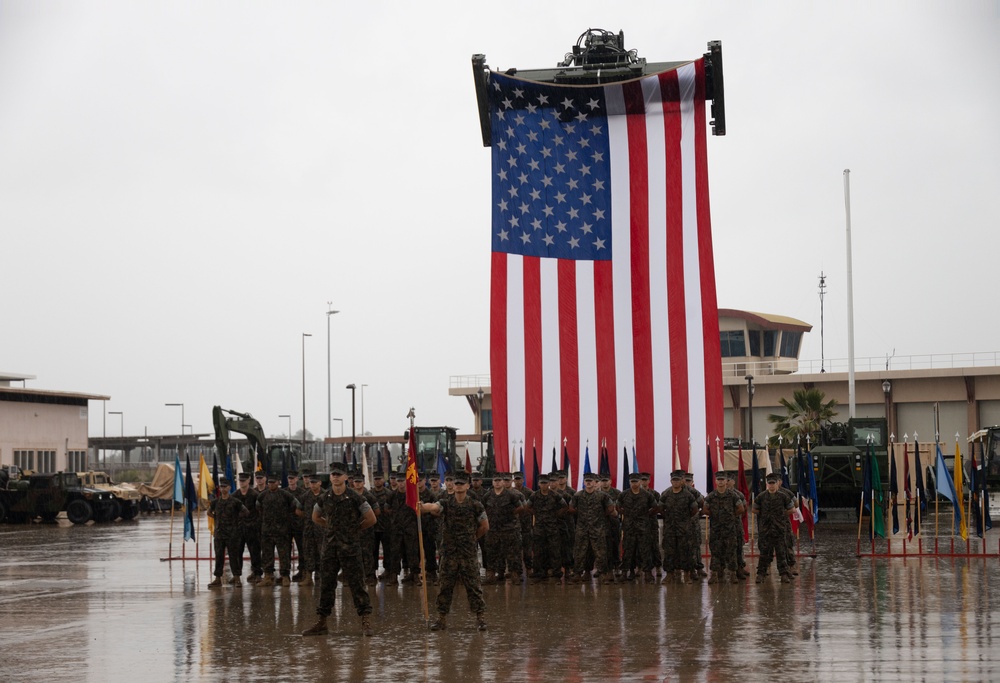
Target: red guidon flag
x,y
604,324
412,497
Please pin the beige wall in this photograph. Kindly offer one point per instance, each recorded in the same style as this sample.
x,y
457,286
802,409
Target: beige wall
x,y
41,426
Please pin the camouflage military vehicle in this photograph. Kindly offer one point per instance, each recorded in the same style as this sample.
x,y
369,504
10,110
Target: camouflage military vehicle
x,y
125,502
23,499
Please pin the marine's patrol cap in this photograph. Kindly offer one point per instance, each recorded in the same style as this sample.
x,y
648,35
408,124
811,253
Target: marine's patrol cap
x,y
273,477
635,476
244,476
315,478
449,477
605,477
688,476
543,479
562,474
721,476
731,475
773,478
501,476
518,476
259,474
434,476
644,476
293,473
338,468
357,476
223,481
421,476
676,475
590,476
477,475
461,478
377,476
393,475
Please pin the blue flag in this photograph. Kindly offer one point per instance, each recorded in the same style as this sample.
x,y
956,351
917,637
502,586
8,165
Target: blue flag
x,y
190,502
625,471
229,474
635,461
586,461
521,461
784,469
813,493
946,486
442,467
178,481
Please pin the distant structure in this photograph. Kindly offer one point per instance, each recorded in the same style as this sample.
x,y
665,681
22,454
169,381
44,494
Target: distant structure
x,y
759,343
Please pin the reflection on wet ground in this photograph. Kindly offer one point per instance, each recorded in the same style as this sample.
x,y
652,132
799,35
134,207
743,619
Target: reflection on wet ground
x,y
95,603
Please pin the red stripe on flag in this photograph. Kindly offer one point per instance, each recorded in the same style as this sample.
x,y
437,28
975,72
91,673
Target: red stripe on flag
x,y
604,317
569,363
498,354
533,385
714,412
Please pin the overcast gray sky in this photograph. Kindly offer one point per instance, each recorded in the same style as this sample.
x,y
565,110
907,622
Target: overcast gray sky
x,y
185,185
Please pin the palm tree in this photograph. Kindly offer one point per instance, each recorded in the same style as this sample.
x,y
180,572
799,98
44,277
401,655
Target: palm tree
x,y
805,415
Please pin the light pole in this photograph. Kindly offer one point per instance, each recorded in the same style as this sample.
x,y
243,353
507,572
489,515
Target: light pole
x,y
363,409
329,421
353,433
174,405
289,430
121,417
750,389
887,391
341,421
479,422
304,335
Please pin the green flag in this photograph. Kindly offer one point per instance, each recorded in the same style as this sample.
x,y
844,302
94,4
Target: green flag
x,y
878,513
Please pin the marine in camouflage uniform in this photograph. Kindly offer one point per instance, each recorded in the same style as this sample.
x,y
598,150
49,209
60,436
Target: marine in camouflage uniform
x,y
614,524
503,542
739,539
298,523
697,537
546,508
722,507
405,550
569,521
653,525
383,523
789,546
591,507
368,535
772,509
345,514
464,520
276,507
313,535
678,505
428,528
636,505
526,544
249,527
228,513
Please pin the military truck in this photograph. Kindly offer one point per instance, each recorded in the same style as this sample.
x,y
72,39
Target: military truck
x,y
126,498
431,441
274,458
837,461
24,499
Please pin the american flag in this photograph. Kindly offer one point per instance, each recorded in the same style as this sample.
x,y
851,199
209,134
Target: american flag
x,y
604,323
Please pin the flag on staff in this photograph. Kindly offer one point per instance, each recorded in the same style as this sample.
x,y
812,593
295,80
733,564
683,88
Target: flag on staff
x,y
284,471
785,483
412,497
178,482
963,527
215,474
872,493
625,472
565,456
920,504
603,300
710,486
534,468
893,491
586,464
906,490
205,484
521,461
945,485
754,471
229,474
190,503
364,467
741,486
813,493
468,461
635,461
555,467
442,468
980,496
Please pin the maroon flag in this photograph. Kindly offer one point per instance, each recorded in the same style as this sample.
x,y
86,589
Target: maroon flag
x,y
741,486
603,312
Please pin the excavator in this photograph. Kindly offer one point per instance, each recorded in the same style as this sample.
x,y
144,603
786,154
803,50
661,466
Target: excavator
x,y
276,458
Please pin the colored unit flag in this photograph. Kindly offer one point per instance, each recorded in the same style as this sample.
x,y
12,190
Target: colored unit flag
x,y
980,497
755,471
215,474
893,491
710,484
963,527
178,482
635,461
603,312
229,474
741,486
586,465
906,491
555,467
205,484
190,503
920,493
785,483
533,484
813,493
442,468
412,497
625,471
945,486
468,461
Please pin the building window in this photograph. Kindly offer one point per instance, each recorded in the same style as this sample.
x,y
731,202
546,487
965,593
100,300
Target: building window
x,y
487,421
753,336
76,461
24,459
790,344
46,461
732,344
770,336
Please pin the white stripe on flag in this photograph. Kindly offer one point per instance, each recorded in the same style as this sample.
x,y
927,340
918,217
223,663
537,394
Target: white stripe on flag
x,y
515,352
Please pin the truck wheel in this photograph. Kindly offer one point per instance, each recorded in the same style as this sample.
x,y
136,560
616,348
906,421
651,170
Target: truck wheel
x,y
113,511
3,511
49,516
129,510
79,511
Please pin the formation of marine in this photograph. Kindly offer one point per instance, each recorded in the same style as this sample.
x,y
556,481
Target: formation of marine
x,y
481,535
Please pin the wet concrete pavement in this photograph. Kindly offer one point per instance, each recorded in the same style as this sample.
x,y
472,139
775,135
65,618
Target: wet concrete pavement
x,y
97,604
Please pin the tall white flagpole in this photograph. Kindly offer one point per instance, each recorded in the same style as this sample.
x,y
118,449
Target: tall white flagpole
x,y
851,398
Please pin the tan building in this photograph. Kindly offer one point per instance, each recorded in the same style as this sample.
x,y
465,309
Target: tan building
x,y
40,430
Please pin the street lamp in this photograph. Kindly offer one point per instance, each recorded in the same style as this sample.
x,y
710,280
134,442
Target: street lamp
x,y
121,417
289,430
341,421
479,421
750,390
363,409
174,405
353,433
329,421
887,391
304,335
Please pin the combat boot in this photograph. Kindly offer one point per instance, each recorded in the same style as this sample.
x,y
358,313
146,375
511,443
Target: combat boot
x,y
481,621
432,578
390,579
702,573
317,629
237,582
266,582
648,576
217,583
734,576
441,623
409,577
786,578
668,577
253,579
742,573
233,581
371,580
759,579
285,582
307,580
607,577
491,578
714,578
694,576
366,626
